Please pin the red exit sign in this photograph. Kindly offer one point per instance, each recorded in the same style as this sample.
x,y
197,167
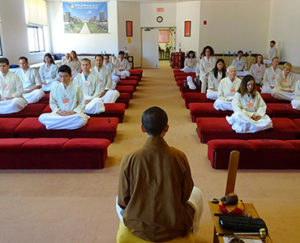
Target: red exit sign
x,y
160,10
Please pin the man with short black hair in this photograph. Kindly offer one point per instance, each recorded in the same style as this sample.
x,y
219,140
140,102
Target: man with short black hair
x,y
122,66
273,50
157,200
112,69
11,89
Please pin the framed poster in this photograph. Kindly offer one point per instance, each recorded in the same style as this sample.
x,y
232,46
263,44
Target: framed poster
x,y
129,29
85,17
187,28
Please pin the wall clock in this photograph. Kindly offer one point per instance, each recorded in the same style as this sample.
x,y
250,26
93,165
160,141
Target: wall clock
x,y
159,19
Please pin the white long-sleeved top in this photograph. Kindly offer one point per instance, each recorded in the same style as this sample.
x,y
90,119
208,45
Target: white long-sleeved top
x,y
213,82
66,99
257,71
272,53
48,74
30,78
239,64
248,105
271,76
10,85
75,66
297,90
227,88
205,66
110,67
90,87
286,83
104,77
190,62
122,65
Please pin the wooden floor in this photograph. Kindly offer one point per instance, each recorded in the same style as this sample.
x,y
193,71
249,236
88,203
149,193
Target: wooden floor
x,y
79,206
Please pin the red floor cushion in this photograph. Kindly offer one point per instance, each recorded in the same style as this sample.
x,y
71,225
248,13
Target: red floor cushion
x,y
8,126
195,98
53,153
31,110
268,98
124,98
283,110
219,128
128,82
97,127
126,89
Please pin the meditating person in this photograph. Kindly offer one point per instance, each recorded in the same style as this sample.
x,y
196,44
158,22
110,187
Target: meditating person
x,y
66,103
11,99
112,69
190,63
31,81
227,88
258,69
239,63
206,64
214,79
67,59
273,50
296,101
75,64
157,200
249,109
122,66
91,88
48,73
285,84
271,75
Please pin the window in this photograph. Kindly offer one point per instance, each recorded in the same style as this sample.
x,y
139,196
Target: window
x,y
36,38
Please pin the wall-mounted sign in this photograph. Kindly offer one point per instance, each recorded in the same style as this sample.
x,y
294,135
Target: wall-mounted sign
x,y
187,28
129,29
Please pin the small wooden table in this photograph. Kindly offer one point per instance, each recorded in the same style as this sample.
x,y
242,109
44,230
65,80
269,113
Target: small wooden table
x,y
214,209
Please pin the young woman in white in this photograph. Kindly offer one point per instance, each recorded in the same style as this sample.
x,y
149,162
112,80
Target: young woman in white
x,y
270,76
207,63
285,84
214,79
296,101
190,63
227,88
48,73
239,63
249,109
258,69
74,64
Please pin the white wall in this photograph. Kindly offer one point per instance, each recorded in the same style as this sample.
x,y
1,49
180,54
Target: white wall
x,y
148,14
14,32
82,43
235,24
284,29
188,11
130,11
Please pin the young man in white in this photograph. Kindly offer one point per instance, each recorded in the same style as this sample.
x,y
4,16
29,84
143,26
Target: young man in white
x,y
239,63
227,88
122,66
66,103
272,53
90,85
11,99
271,75
31,81
112,69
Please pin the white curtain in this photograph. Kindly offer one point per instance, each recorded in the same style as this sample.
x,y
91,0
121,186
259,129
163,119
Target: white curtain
x,y
36,12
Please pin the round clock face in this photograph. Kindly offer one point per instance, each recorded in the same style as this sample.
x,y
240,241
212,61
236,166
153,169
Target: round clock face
x,y
159,19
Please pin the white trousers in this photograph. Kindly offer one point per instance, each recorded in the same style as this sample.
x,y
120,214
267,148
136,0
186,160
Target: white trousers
x,y
55,121
48,86
282,95
34,96
111,96
115,80
266,89
204,81
190,83
296,104
95,106
12,106
241,123
223,105
212,95
123,74
195,200
188,70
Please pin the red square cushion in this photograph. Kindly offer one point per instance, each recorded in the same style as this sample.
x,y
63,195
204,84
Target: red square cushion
x,y
268,98
12,144
8,126
31,110
206,110
283,110
45,99
297,122
124,98
125,89
128,82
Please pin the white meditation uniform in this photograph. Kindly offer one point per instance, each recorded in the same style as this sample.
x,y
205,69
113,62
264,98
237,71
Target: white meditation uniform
x,y
30,78
112,69
239,64
244,107
49,76
205,66
257,71
91,91
213,83
284,83
269,79
75,67
11,87
296,101
122,65
65,99
272,53
226,92
190,65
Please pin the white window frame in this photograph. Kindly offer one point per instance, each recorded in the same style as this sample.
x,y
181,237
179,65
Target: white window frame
x,y
37,27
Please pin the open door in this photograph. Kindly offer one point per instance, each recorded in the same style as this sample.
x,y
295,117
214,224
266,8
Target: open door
x,y
150,47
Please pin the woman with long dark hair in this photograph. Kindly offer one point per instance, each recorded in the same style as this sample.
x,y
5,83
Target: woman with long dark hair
x,y
257,70
214,78
48,73
190,63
